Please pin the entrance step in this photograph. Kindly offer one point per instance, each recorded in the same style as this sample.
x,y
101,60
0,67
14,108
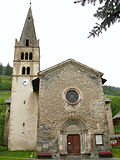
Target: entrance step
x,y
75,157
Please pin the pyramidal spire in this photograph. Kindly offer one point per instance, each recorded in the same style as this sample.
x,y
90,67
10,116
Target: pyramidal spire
x,y
28,36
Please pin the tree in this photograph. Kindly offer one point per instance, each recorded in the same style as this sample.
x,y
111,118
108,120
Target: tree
x,y
108,13
110,90
8,70
1,69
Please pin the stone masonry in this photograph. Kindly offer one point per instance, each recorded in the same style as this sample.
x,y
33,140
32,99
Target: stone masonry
x,y
54,112
62,109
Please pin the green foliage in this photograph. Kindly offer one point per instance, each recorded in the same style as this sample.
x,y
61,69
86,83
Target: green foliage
x,y
5,82
11,158
108,13
16,155
3,96
116,152
2,120
3,148
113,94
6,70
25,154
6,85
115,91
115,104
1,68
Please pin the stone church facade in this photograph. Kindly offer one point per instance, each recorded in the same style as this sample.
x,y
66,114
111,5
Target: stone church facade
x,y
62,109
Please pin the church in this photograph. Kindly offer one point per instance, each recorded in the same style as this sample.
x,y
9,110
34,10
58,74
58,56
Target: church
x,y
62,109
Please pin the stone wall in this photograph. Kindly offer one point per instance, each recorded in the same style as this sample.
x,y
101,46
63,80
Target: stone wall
x,y
54,111
109,118
24,102
23,116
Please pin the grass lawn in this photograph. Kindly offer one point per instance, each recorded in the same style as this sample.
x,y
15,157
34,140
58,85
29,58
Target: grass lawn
x,y
16,155
3,158
26,155
116,152
5,95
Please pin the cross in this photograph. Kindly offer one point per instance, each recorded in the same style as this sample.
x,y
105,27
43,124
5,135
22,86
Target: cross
x,y
30,2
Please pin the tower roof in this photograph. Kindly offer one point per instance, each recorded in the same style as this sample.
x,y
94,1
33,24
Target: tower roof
x,y
28,34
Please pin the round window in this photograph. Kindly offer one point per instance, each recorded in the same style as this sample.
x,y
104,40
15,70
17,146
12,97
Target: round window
x,y
72,96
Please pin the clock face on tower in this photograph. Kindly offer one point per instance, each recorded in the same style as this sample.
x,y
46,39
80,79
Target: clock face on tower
x,y
25,82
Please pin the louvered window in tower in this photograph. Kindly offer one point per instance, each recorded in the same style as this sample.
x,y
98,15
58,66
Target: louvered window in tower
x,y
26,56
22,55
28,70
23,70
30,56
27,42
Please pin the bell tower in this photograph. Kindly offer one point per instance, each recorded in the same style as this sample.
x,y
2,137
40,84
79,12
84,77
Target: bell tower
x,y
24,102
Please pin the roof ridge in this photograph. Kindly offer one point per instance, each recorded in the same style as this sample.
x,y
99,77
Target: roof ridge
x,y
72,61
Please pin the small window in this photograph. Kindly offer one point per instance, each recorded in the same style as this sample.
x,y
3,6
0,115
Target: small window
x,y
27,42
23,70
30,56
99,139
28,70
26,56
22,56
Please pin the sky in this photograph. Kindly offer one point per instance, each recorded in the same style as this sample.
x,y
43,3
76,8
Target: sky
x,y
62,28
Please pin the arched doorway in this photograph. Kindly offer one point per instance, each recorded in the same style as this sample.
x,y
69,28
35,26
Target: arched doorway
x,y
73,137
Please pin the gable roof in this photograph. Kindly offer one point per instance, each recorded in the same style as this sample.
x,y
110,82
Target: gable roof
x,y
8,101
107,100
70,61
116,116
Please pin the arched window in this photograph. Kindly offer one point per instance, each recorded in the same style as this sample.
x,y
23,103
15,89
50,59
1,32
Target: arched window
x,y
26,56
30,56
27,42
23,70
22,56
28,70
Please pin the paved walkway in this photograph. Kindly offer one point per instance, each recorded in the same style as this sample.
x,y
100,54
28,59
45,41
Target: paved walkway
x,y
86,158
80,158
67,158
94,159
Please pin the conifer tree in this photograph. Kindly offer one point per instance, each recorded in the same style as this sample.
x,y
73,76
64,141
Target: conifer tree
x,y
8,70
1,69
108,13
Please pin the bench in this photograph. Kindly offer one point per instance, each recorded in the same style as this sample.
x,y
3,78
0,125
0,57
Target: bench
x,y
43,155
105,154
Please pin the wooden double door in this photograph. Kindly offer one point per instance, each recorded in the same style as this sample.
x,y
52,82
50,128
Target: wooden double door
x,y
73,144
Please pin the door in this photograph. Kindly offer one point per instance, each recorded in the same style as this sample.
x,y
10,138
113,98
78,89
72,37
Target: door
x,y
73,144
